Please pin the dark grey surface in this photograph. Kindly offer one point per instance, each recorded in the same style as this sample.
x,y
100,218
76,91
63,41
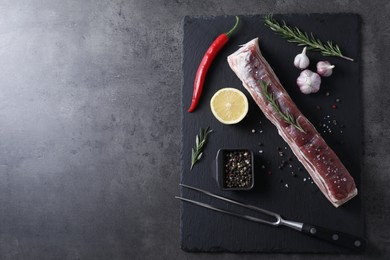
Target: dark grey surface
x,y
89,126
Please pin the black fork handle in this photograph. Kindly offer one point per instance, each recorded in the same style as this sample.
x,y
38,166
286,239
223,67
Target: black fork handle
x,y
352,242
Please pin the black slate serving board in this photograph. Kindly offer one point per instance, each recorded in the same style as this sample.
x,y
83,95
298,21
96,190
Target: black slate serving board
x,y
294,197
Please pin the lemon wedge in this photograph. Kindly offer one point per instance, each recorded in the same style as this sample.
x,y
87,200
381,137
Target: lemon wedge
x,y
229,105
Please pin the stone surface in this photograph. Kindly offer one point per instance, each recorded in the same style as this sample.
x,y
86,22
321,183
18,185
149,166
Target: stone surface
x,y
90,126
205,231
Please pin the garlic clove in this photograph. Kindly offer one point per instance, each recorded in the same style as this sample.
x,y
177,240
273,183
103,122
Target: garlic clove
x,y
301,61
309,82
324,68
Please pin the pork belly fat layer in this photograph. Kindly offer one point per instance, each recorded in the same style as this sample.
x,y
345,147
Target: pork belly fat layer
x,y
323,165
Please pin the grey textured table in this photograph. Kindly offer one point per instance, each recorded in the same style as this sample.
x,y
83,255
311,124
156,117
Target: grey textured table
x,y
90,126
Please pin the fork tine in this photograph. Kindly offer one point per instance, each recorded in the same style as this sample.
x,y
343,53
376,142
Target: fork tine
x,y
264,211
204,205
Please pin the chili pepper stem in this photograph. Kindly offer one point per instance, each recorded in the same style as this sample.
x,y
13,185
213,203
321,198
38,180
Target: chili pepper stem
x,y
229,33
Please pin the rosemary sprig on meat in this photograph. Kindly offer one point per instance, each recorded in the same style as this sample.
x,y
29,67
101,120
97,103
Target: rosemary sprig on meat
x,y
285,116
200,141
293,34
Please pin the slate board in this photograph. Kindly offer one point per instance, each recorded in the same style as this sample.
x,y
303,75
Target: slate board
x,y
208,231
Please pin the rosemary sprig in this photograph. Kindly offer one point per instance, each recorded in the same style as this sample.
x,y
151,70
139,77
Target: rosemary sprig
x,y
200,141
293,34
286,116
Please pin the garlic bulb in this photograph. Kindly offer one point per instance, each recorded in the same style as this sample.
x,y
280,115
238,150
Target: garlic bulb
x,y
324,68
301,61
309,82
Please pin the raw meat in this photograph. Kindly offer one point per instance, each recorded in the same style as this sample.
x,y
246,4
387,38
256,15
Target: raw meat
x,y
323,165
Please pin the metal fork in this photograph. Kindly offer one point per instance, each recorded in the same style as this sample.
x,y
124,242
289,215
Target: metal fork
x,y
350,241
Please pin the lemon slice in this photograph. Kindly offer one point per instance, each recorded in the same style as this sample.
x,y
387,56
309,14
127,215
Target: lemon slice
x,y
229,105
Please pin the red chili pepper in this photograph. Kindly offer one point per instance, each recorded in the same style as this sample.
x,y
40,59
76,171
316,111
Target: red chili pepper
x,y
204,65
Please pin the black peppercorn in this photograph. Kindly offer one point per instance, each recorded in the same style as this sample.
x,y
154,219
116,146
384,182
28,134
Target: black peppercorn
x,y
238,169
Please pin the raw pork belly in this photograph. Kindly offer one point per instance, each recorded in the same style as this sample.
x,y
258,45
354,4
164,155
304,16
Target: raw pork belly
x,y
323,165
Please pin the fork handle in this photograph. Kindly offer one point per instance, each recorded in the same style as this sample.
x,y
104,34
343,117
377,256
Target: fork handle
x,y
352,242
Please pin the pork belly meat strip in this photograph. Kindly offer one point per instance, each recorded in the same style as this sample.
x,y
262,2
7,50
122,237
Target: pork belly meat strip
x,y
323,165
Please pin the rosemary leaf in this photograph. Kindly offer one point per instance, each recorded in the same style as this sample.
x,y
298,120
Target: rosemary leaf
x,y
200,141
295,35
285,116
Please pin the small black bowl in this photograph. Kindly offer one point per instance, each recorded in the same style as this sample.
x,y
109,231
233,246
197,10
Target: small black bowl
x,y
237,162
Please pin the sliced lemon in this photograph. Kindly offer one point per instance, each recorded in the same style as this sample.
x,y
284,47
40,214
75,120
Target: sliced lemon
x,y
229,105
